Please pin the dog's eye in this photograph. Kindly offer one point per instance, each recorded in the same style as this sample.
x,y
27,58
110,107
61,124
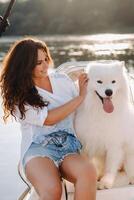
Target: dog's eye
x,y
113,81
99,81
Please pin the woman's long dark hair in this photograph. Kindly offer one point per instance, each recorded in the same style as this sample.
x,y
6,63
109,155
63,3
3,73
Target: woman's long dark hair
x,y
16,81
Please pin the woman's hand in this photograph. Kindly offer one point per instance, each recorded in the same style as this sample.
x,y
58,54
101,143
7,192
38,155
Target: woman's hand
x,y
83,81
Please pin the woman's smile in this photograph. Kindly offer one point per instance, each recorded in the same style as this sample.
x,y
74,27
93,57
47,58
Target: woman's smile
x,y
42,65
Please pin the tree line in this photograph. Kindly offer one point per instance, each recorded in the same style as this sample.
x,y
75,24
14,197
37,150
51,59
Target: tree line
x,y
70,16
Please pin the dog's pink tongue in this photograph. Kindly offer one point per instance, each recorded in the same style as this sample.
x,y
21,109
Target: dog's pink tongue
x,y
108,105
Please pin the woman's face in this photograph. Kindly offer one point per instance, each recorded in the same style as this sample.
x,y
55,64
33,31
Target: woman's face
x,y
41,68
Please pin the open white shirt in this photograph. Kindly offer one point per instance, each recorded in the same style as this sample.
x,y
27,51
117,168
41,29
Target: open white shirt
x,y
32,127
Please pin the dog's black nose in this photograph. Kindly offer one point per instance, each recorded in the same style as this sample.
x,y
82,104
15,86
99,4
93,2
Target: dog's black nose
x,y
108,92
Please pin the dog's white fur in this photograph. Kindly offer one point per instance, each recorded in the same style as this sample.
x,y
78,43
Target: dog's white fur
x,y
108,136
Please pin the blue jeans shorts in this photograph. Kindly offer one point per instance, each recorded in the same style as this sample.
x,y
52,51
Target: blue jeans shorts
x,y
55,146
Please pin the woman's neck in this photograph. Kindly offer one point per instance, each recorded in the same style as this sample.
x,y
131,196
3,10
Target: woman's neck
x,y
40,81
44,83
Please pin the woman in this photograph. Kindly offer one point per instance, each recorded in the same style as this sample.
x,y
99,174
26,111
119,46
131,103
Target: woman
x,y
44,103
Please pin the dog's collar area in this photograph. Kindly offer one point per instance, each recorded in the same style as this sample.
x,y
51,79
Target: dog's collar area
x,y
99,96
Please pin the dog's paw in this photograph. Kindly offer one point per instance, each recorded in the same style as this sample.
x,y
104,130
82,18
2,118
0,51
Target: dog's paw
x,y
132,180
106,182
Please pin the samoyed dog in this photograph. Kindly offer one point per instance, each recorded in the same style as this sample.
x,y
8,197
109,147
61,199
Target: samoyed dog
x,y
105,121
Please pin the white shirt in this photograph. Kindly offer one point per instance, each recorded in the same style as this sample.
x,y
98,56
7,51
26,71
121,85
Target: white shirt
x,y
32,127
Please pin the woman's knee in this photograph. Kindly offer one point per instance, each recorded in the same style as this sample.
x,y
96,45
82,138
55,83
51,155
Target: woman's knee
x,y
92,172
88,172
51,192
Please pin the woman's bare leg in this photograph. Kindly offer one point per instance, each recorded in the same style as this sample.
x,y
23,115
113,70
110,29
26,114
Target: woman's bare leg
x,y
78,170
44,176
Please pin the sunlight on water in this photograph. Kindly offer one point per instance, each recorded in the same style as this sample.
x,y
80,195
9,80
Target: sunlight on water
x,y
112,46
83,47
107,48
110,37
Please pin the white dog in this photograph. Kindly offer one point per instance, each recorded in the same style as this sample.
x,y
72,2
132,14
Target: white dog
x,y
105,120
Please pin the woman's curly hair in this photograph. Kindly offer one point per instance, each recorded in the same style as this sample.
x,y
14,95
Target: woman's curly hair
x,y
16,81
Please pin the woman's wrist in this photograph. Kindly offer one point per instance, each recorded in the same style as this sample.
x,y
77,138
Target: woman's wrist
x,y
80,98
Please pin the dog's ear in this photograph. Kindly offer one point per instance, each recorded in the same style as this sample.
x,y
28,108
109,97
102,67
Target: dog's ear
x,y
122,63
121,66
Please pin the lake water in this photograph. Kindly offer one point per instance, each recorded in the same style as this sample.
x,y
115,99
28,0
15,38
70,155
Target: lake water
x,y
63,49
10,183
87,47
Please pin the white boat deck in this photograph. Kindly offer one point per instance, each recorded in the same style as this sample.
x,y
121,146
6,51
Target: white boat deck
x,y
124,193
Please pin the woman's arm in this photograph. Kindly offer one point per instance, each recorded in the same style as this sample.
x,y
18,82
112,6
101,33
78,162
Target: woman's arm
x,y
58,114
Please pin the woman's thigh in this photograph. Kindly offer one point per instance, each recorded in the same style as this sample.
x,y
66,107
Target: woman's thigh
x,y
76,166
43,174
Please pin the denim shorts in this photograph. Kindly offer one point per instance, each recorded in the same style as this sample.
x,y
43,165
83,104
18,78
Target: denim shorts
x,y
55,146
